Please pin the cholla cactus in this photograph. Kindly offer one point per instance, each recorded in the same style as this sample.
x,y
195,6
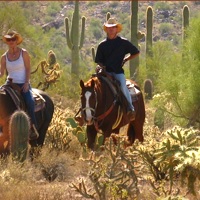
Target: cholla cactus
x,y
57,134
50,69
111,174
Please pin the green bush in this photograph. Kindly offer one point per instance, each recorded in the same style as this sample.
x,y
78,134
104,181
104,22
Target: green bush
x,y
165,28
179,81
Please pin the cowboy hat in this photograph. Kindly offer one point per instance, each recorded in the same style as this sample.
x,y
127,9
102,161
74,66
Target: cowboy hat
x,y
111,23
13,34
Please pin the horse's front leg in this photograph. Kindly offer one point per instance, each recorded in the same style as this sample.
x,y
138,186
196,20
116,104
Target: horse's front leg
x,y
91,136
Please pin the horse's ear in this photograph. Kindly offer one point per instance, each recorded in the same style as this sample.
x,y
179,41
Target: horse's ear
x,y
81,83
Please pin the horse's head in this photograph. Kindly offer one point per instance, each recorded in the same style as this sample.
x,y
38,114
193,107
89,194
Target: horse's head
x,y
88,100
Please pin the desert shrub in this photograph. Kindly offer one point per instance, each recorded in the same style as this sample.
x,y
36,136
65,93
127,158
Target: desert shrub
x,y
159,118
53,9
159,62
111,175
165,28
175,156
161,6
96,28
179,81
58,136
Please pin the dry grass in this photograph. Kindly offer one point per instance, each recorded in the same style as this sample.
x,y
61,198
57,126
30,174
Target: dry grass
x,y
51,175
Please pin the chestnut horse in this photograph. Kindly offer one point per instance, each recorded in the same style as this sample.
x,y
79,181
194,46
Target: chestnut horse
x,y
8,107
103,107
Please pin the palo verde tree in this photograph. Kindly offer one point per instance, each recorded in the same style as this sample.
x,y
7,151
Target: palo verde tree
x,y
179,81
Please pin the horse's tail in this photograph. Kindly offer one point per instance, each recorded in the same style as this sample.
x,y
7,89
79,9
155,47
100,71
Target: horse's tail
x,y
138,123
135,128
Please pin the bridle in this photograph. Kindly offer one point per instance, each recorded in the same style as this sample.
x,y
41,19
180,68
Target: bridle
x,y
97,119
90,108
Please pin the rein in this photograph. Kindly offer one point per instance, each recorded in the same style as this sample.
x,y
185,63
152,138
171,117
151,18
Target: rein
x,y
102,116
107,111
105,114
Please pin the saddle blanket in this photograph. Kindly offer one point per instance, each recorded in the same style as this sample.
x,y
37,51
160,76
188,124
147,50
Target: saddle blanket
x,y
132,90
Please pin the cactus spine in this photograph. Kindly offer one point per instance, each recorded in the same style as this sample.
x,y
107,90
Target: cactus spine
x,y
74,40
149,24
19,128
134,63
186,16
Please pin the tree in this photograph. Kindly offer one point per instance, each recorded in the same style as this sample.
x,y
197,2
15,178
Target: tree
x,y
179,81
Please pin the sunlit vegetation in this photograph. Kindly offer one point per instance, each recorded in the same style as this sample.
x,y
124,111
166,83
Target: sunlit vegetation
x,y
166,165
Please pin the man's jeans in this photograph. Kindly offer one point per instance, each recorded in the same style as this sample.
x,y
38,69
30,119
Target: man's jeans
x,y
121,78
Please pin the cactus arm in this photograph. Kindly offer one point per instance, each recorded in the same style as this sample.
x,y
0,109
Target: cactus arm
x,y
69,43
93,53
82,32
108,16
75,25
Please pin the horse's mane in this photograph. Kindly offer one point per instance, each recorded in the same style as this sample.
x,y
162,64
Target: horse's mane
x,y
97,83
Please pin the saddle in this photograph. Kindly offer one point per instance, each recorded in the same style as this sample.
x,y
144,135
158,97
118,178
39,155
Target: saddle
x,y
114,85
13,91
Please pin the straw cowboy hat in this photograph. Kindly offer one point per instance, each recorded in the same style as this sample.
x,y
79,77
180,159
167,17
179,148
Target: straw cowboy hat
x,y
12,34
111,23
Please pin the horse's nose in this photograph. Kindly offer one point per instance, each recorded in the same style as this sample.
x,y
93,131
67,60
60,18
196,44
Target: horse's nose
x,y
88,120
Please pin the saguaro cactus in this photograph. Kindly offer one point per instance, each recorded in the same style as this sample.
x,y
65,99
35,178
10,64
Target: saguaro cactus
x,y
148,89
108,14
186,16
149,24
135,36
19,128
74,39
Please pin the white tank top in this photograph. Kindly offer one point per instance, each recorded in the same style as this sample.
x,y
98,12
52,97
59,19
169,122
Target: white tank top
x,y
16,69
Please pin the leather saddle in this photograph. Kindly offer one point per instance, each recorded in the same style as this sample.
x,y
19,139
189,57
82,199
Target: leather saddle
x,y
14,92
115,86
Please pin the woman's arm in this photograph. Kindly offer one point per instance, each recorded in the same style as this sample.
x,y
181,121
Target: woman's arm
x,y
27,65
3,65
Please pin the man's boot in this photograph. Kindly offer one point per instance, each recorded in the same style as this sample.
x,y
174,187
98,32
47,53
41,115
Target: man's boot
x,y
131,114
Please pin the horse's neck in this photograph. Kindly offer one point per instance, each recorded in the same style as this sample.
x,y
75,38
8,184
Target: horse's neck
x,y
104,96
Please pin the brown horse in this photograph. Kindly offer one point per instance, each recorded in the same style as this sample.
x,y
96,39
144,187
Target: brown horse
x,y
104,108
8,107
